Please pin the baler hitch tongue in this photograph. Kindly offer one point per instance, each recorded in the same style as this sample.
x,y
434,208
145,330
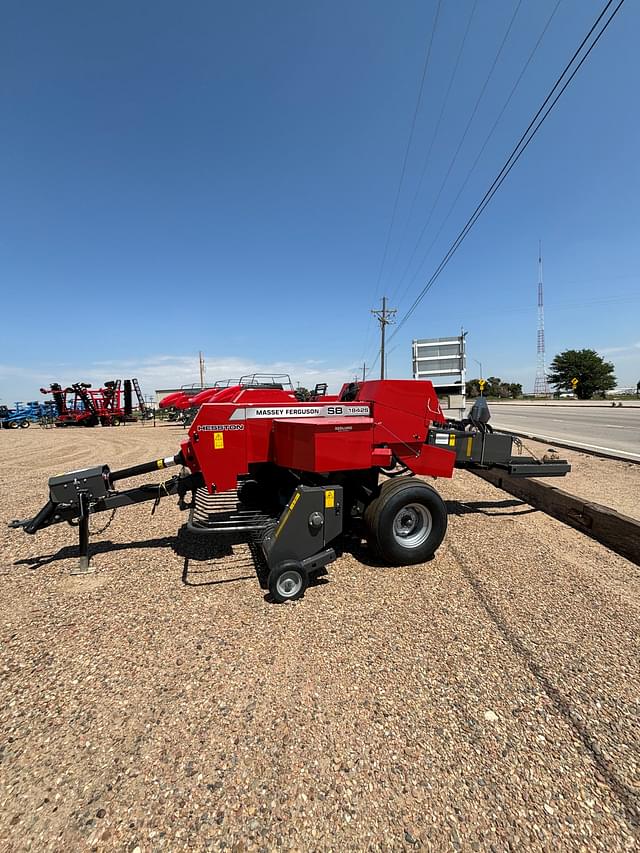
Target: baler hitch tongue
x,y
75,495
32,525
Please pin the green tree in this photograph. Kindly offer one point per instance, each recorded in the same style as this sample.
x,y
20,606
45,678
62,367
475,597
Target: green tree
x,y
473,388
594,374
494,387
515,390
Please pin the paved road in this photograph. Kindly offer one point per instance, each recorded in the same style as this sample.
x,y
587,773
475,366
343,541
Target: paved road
x,y
605,429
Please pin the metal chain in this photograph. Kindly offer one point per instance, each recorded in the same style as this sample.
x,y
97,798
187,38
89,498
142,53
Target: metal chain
x,y
102,529
520,444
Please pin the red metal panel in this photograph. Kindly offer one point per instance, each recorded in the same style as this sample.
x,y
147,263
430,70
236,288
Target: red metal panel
x,y
433,461
323,444
219,445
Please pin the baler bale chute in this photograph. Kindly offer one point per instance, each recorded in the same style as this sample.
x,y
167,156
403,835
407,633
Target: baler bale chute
x,y
297,476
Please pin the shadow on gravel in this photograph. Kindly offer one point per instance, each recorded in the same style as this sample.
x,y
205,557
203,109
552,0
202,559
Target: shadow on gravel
x,y
204,549
466,507
104,547
358,548
626,796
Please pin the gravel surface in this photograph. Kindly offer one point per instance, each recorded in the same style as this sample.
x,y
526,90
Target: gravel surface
x,y
609,482
487,700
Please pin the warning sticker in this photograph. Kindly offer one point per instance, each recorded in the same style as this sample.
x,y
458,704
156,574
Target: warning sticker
x,y
218,441
329,499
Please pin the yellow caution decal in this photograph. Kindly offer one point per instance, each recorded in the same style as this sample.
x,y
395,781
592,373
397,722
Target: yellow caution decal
x,y
286,515
218,441
160,463
329,498
452,441
469,445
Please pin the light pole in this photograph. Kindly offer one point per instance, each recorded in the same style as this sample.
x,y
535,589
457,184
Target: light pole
x,y
481,377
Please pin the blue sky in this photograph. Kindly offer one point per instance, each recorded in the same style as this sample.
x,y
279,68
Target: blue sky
x,y
221,177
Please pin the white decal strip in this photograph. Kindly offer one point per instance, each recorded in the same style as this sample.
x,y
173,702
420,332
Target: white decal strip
x,y
338,410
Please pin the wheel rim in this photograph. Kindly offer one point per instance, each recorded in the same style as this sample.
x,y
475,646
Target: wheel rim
x,y
412,525
289,584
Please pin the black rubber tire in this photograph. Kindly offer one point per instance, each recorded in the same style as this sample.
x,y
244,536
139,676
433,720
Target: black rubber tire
x,y
13,424
24,424
385,509
277,581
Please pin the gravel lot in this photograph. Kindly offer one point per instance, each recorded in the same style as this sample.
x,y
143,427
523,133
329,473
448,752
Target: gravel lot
x,y
488,700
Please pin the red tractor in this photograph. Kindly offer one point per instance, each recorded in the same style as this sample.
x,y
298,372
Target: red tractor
x,y
298,476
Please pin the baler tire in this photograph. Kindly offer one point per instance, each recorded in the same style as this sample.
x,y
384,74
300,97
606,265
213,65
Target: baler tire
x,y
406,522
24,424
13,424
287,581
370,515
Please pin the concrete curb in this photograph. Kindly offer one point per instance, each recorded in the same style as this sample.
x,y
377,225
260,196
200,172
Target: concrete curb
x,y
612,529
583,404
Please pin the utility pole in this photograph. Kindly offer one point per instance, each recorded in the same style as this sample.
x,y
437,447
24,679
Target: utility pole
x,y
201,370
364,373
384,317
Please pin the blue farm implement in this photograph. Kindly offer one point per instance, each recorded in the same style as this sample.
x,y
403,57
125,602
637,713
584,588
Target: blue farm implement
x,y
23,414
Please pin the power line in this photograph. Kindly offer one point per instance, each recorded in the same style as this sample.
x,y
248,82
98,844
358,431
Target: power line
x,y
482,149
434,136
409,141
517,152
462,140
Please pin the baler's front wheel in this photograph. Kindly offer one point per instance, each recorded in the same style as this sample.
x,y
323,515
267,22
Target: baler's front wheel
x,y
287,582
406,522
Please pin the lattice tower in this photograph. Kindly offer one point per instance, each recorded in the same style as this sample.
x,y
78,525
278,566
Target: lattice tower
x,y
541,385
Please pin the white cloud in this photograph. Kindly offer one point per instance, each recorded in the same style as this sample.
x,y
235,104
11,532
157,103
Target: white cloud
x,y
163,371
628,351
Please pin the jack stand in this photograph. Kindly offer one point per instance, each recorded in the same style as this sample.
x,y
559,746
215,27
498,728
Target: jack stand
x,y
83,537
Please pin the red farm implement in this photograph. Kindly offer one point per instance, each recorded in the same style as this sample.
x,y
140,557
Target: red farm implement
x,y
81,405
298,478
184,404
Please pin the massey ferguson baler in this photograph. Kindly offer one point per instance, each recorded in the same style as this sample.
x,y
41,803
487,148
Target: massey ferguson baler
x,y
297,476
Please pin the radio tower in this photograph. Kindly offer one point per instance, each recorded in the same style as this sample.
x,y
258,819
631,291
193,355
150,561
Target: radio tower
x,y
541,386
